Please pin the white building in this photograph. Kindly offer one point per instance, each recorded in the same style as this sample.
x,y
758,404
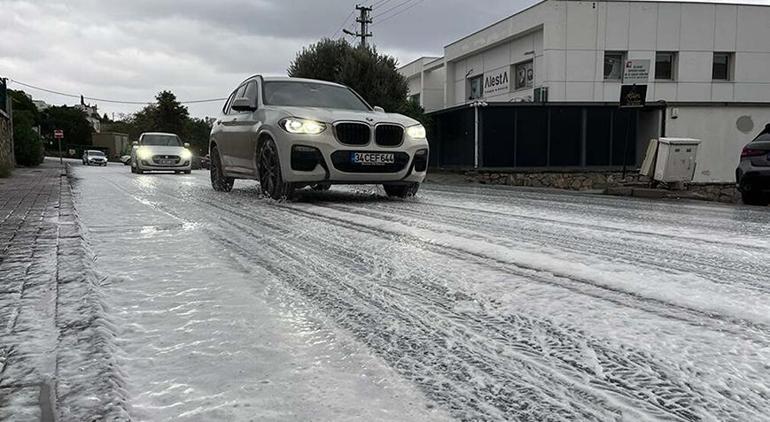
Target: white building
x,y
710,76
92,115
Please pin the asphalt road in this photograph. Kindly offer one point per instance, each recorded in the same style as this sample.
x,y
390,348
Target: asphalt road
x,y
466,302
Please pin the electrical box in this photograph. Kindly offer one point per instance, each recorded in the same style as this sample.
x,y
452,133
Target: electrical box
x,y
676,159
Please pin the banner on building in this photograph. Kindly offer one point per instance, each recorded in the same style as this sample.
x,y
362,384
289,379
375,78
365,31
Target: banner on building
x,y
497,82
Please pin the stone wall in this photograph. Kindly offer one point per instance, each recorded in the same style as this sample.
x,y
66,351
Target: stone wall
x,y
6,142
572,180
720,192
602,180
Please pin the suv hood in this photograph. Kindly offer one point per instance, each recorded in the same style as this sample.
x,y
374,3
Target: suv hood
x,y
331,115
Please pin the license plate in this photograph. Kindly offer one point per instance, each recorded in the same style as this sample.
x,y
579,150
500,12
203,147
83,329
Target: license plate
x,y
372,158
166,162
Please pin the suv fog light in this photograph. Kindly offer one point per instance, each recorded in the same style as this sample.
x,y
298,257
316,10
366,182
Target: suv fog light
x,y
421,160
304,158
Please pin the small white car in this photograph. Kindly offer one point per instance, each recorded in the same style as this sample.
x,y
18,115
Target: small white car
x,y
158,151
94,157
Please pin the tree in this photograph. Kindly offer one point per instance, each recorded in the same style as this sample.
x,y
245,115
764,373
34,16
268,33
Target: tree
x,y
27,145
77,129
166,115
197,133
369,73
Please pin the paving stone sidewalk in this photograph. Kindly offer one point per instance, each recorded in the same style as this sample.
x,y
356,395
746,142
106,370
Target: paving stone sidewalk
x,y
56,361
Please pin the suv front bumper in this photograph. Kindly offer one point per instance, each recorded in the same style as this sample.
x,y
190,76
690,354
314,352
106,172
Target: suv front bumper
x,y
321,158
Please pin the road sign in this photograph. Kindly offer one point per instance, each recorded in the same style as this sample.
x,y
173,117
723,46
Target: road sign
x,y
636,71
58,133
633,96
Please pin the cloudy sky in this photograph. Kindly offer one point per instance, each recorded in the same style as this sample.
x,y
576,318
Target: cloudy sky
x,y
200,49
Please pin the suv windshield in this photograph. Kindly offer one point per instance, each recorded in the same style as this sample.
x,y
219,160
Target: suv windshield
x,y
162,140
309,94
96,153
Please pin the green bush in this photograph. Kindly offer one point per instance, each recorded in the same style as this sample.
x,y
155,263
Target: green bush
x,y
27,145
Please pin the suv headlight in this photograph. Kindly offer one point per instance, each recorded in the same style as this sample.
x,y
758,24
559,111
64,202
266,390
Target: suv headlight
x,y
143,154
416,132
302,126
186,154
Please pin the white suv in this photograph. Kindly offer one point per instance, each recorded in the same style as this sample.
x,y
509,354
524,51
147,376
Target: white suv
x,y
158,151
290,133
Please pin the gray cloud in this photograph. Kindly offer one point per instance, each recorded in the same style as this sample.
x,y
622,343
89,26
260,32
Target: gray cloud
x,y
200,48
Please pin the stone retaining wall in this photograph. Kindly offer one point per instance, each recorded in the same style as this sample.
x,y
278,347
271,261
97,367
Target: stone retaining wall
x,y
720,192
572,180
6,142
599,180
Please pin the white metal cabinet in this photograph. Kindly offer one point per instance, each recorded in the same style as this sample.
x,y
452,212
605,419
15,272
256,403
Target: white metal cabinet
x,y
676,159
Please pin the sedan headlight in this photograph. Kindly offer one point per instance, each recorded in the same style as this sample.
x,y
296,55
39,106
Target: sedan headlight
x,y
143,154
186,154
302,126
416,132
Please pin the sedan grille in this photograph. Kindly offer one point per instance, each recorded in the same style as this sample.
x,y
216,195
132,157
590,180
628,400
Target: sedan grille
x,y
157,158
353,133
389,135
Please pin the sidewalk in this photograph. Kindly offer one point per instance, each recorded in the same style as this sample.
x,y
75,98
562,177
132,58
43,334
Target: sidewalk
x,y
55,357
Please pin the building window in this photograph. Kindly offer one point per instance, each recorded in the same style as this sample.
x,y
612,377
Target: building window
x,y
665,66
720,70
525,75
415,98
613,65
475,87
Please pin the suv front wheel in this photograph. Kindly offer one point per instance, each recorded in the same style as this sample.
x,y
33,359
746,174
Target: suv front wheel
x,y
269,168
219,182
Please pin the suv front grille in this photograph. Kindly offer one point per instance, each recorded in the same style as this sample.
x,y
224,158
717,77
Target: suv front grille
x,y
353,133
389,135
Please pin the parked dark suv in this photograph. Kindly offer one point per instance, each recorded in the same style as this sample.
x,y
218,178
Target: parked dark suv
x,y
753,173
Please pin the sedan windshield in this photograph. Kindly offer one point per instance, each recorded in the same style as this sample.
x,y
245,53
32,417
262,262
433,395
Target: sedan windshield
x,y
162,140
309,94
96,153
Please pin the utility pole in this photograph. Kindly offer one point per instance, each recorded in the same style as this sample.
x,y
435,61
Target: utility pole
x,y
364,19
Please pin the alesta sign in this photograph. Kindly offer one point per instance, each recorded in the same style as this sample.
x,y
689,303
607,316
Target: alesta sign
x,y
497,82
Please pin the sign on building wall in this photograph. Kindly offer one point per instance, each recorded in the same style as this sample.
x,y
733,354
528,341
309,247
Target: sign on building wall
x,y
497,82
636,71
633,96
525,75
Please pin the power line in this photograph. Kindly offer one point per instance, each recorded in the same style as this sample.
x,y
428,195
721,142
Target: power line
x,y
102,100
343,24
393,8
380,3
399,12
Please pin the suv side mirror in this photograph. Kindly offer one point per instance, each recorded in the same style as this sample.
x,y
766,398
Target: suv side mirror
x,y
379,109
243,104
187,145
135,143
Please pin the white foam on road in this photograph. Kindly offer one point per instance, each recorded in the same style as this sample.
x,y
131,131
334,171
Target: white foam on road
x,y
486,304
